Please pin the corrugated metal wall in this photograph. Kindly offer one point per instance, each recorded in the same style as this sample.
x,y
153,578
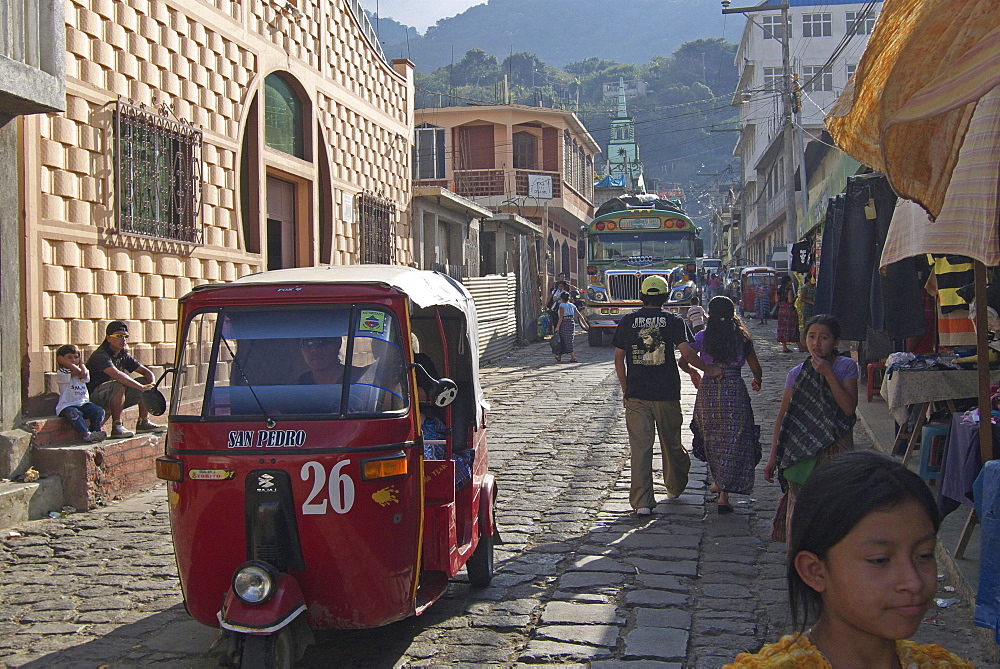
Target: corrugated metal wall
x,y
495,297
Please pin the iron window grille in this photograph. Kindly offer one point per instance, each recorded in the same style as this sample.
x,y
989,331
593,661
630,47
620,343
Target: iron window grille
x,y
158,175
376,216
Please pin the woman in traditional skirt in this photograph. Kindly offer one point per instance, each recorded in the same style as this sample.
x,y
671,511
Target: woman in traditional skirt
x,y
788,318
816,419
762,301
567,314
725,434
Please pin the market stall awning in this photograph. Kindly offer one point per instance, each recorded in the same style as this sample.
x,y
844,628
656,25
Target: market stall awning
x,y
920,110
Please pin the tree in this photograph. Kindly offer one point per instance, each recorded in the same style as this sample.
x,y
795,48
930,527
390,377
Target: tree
x,y
523,68
477,68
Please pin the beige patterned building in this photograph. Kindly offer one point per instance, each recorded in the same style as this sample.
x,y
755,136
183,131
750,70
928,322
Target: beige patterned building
x,y
204,140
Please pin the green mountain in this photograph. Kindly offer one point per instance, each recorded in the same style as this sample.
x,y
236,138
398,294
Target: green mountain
x,y
561,31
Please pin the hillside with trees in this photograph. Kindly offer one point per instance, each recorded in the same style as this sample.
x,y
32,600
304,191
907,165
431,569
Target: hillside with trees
x,y
684,121
560,32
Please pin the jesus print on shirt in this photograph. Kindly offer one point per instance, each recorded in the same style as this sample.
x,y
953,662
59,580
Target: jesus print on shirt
x,y
653,350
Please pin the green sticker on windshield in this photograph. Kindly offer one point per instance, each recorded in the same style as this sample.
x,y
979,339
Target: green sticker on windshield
x,y
372,321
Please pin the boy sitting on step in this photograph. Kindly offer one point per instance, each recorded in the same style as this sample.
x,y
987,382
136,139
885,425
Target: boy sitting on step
x,y
74,401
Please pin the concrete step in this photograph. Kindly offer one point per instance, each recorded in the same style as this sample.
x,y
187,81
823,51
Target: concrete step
x,y
95,474
20,502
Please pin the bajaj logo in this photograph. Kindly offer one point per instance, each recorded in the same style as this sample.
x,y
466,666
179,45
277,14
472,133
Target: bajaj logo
x,y
264,483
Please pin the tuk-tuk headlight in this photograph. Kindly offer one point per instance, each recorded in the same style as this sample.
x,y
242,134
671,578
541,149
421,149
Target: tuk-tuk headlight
x,y
254,582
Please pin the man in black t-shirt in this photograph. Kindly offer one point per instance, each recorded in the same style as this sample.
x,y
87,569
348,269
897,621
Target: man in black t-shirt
x,y
112,386
651,387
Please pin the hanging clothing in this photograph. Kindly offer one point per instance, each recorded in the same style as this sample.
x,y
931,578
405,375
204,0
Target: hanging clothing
x,y
868,198
896,293
827,276
954,327
986,491
952,273
802,257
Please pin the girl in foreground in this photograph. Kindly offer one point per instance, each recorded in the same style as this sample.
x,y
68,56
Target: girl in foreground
x,y
861,565
816,419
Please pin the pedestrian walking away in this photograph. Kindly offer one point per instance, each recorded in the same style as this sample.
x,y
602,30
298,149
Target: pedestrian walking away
x,y
788,317
725,434
112,386
762,302
695,316
861,570
816,419
564,326
651,390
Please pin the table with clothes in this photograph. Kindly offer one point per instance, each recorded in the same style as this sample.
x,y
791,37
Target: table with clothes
x,y
904,388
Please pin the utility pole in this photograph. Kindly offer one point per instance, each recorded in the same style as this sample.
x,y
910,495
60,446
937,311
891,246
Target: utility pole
x,y
788,127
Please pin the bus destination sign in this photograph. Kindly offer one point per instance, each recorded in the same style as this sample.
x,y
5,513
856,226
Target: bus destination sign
x,y
639,224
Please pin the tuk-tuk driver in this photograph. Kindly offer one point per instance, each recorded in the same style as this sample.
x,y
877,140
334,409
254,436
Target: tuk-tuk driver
x,y
322,355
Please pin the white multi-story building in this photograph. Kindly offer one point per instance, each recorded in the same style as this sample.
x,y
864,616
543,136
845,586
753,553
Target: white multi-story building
x,y
826,40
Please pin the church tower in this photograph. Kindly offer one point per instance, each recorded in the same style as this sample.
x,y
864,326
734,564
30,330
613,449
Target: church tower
x,y
623,152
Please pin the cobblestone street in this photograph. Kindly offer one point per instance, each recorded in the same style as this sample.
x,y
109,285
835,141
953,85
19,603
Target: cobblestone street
x,y
579,580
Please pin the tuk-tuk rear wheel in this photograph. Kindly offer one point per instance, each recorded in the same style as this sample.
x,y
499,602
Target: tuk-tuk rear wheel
x,y
273,651
480,565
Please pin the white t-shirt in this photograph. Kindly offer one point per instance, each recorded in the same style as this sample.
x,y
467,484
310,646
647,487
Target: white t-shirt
x,y
72,389
567,310
696,315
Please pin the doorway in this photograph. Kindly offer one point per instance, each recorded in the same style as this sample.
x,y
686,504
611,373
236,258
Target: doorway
x,y
281,240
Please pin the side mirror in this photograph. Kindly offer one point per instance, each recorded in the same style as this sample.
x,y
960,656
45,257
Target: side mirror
x,y
444,393
699,247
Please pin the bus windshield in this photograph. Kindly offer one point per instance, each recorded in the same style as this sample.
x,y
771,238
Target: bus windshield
x,y
654,245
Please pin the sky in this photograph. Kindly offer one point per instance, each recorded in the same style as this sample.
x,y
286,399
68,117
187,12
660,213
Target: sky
x,y
420,14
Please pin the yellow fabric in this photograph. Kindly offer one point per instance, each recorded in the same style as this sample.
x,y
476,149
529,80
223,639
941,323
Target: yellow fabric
x,y
908,107
796,652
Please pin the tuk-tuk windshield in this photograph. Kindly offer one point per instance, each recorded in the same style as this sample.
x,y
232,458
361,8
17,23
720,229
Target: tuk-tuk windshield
x,y
297,361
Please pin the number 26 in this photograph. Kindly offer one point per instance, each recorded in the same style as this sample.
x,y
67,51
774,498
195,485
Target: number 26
x,y
340,489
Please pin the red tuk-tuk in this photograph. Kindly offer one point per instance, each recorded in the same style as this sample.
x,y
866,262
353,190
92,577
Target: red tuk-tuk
x,y
751,278
321,474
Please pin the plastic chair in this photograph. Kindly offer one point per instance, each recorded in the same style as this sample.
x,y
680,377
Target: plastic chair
x,y
927,471
876,373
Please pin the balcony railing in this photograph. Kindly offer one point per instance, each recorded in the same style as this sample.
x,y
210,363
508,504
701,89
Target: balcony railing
x,y
479,183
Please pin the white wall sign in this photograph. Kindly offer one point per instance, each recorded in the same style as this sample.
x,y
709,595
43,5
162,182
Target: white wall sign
x,y
540,185
347,206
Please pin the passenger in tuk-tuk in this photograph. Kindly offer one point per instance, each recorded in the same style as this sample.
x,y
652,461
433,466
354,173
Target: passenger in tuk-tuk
x,y
322,355
433,428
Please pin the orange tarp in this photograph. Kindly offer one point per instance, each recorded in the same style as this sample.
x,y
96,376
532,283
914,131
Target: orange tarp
x,y
908,107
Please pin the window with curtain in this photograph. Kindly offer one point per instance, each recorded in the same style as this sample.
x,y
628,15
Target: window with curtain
x,y
525,151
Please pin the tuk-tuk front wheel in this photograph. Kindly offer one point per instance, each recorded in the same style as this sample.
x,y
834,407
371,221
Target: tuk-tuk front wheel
x,y
272,651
